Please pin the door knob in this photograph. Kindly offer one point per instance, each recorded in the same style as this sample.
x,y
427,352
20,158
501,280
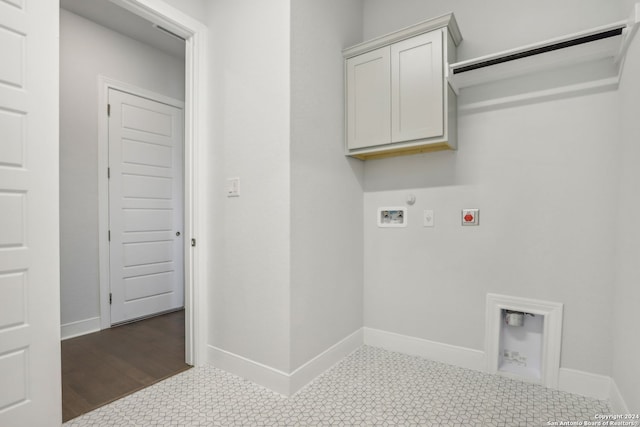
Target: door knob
x,y
178,233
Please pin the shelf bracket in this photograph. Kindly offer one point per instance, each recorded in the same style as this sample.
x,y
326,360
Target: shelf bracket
x,y
628,34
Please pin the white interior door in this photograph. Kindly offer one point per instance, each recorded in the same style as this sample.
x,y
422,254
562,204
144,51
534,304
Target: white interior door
x,y
30,392
145,206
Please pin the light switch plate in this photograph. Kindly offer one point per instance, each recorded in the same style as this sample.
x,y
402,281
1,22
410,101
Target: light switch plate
x,y
428,218
470,216
233,187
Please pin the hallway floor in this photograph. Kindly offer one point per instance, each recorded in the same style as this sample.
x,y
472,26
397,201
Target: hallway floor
x,y
107,365
371,387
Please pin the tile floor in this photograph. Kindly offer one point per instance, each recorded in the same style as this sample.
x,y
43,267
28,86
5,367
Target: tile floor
x,y
371,387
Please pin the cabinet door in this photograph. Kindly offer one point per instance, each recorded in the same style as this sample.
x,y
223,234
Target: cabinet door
x,y
368,99
417,88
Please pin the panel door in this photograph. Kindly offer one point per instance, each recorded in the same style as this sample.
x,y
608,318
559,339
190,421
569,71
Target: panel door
x,y
368,99
30,391
417,88
145,207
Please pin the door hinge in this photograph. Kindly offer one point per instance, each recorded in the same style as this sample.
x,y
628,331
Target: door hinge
x,y
110,298
109,235
108,173
193,243
108,110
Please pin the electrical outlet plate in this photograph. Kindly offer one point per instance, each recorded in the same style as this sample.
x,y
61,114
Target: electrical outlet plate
x,y
470,216
392,217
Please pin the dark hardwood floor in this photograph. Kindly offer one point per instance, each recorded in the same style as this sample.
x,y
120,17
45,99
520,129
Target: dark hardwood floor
x,y
104,366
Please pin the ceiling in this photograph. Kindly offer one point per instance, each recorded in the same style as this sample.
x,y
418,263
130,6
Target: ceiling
x,y
107,14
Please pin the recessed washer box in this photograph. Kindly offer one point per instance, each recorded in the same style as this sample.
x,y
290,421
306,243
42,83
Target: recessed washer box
x,y
530,352
392,217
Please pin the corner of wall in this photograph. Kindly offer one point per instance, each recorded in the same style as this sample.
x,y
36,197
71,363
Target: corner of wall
x,y
616,400
278,381
626,370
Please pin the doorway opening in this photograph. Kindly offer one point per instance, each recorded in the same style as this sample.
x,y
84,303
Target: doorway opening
x,y
193,331
104,366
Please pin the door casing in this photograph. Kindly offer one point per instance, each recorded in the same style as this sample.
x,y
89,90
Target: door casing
x,y
195,106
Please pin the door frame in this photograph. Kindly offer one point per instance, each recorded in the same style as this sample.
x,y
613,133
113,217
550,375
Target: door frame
x,y
195,134
104,85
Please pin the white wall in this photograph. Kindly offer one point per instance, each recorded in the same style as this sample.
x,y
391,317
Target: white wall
x,y
626,322
288,277
326,187
494,25
250,235
543,175
86,51
197,9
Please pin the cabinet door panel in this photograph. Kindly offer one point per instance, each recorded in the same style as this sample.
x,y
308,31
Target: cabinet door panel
x,y
368,99
417,88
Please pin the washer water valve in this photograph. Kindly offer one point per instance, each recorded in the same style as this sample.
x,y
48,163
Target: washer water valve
x,y
515,318
470,216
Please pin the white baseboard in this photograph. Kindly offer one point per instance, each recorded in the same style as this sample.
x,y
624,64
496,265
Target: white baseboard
x,y
325,360
81,327
445,353
271,378
593,385
584,383
618,405
281,382
569,380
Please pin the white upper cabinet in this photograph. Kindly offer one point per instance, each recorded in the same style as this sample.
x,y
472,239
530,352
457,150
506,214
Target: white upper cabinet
x,y
417,88
369,92
397,99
